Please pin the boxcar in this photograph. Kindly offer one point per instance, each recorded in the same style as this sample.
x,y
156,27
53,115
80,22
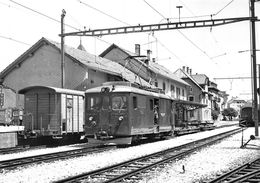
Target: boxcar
x,y
53,113
246,118
121,113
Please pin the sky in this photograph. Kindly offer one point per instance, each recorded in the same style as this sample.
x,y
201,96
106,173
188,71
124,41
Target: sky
x,y
218,52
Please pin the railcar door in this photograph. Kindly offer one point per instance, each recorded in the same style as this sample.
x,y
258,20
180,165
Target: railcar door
x,y
156,120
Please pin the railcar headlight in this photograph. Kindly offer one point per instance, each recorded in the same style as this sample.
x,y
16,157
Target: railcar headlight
x,y
90,118
93,123
120,118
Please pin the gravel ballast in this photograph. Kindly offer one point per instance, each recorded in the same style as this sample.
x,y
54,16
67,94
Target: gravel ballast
x,y
205,163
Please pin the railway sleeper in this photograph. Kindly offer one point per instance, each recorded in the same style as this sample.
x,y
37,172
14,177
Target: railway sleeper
x,y
135,165
97,178
142,164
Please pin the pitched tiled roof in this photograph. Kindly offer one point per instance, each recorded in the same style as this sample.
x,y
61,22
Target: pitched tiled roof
x,y
200,78
159,69
84,58
156,68
186,75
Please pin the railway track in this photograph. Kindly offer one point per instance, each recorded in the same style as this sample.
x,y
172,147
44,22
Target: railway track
x,y
13,163
249,172
132,170
20,149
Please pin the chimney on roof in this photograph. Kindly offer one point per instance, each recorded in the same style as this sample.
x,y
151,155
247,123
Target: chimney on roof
x,y
183,68
187,70
137,49
190,71
149,55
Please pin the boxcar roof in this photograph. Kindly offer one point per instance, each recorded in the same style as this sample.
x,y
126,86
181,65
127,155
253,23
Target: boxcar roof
x,y
52,89
125,88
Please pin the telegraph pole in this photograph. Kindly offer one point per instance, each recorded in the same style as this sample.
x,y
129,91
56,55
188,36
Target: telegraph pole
x,y
62,49
253,64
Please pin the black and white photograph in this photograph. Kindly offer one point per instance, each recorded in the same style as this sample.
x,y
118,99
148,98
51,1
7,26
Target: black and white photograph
x,y
129,91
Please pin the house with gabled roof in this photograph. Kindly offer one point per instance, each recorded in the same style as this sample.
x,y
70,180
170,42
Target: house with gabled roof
x,y
41,65
199,92
147,69
236,103
195,94
204,82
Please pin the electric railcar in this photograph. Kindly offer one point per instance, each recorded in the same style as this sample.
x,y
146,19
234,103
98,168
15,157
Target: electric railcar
x,y
121,113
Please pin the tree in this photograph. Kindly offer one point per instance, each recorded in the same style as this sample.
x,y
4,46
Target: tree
x,y
230,113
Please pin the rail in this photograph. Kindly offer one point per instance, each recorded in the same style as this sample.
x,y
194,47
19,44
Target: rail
x,y
132,170
249,172
13,163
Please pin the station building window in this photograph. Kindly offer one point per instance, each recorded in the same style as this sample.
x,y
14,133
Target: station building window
x,y
164,86
178,92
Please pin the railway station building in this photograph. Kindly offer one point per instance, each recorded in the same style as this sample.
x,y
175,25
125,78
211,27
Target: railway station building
x,y
197,93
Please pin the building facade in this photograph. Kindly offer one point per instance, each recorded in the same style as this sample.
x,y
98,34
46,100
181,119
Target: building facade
x,y
40,65
146,68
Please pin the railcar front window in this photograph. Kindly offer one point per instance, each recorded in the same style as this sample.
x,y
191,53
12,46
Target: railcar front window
x,y
119,103
94,103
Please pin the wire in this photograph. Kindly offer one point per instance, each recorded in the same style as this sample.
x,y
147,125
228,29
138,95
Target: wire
x,y
15,40
102,12
171,52
204,52
124,23
8,5
42,14
223,54
223,8
154,9
186,37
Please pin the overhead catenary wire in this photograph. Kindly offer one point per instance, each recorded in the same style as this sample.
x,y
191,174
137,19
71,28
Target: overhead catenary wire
x,y
15,40
186,37
215,14
154,9
8,5
223,54
50,18
42,14
104,13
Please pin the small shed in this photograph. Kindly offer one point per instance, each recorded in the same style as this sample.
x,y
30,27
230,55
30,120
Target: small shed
x,y
50,111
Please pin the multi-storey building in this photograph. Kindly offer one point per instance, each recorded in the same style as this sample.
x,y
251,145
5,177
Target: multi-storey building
x,y
146,68
41,65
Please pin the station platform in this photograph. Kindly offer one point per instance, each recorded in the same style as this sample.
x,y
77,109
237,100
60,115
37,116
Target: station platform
x,y
8,136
